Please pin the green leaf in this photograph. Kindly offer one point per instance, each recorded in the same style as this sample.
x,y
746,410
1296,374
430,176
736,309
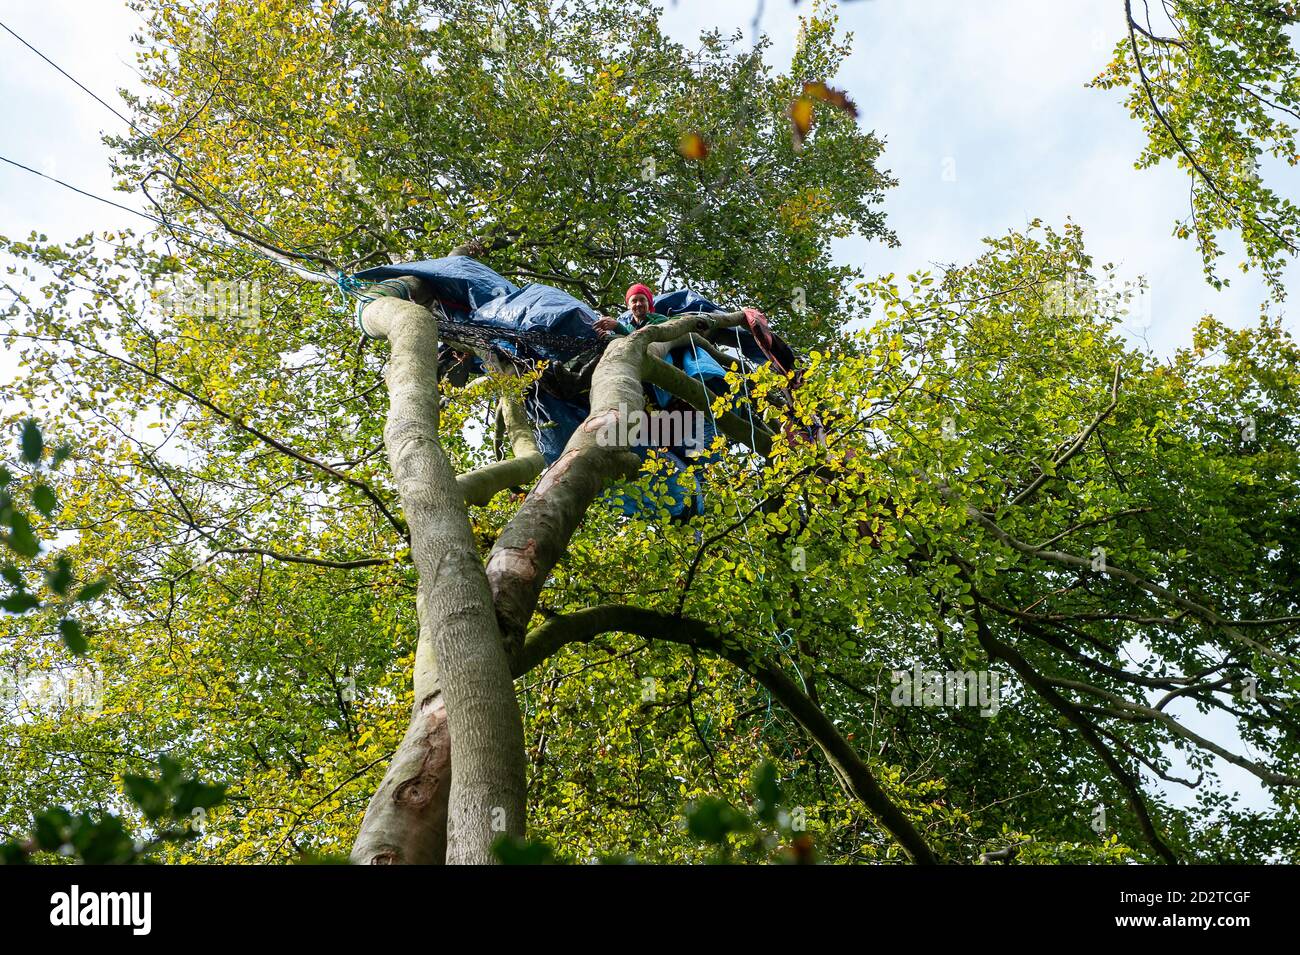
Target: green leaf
x,y
45,500
11,853
767,792
59,579
73,637
712,820
103,842
20,602
50,828
21,540
92,591
148,794
193,794
513,850
13,576
32,442
172,771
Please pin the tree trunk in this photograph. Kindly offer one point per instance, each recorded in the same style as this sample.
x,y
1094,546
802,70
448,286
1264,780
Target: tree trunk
x,y
460,662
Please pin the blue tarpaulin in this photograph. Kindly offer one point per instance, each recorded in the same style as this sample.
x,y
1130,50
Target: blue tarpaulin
x,y
460,283
538,308
696,363
683,301
556,421
683,490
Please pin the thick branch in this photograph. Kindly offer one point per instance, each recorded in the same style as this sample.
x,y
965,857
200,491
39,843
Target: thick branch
x,y
856,775
524,464
758,436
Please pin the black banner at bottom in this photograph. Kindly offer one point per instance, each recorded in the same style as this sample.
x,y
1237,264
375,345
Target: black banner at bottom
x,y
138,905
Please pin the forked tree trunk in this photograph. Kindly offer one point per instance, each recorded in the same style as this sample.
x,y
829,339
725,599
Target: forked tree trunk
x,y
460,769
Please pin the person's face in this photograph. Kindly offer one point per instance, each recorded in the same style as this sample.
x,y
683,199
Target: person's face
x,y
640,306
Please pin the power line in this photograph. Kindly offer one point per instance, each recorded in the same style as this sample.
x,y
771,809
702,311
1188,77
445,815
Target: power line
x,y
176,226
90,195
196,180
84,89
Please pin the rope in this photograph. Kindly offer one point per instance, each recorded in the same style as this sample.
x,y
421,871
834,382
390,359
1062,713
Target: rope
x,y
349,286
786,642
338,280
353,286
699,498
749,402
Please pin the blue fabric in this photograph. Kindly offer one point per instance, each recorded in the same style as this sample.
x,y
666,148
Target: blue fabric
x,y
539,308
682,489
471,292
556,419
682,301
461,284
695,362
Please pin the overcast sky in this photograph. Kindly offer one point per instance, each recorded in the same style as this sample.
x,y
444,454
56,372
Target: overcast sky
x,y
992,92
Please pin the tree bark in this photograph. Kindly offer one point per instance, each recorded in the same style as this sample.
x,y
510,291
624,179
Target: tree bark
x,y
461,666
539,532
462,759
524,464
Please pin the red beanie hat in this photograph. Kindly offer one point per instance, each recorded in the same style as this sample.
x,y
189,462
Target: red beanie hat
x,y
638,288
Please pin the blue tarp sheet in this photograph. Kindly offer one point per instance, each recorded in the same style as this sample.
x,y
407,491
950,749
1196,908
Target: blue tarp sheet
x,y
538,308
461,284
683,301
682,490
556,420
698,364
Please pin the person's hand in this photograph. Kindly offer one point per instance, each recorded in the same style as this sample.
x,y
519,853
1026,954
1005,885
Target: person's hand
x,y
605,324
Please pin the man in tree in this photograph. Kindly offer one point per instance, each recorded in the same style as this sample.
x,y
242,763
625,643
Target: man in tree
x,y
640,300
